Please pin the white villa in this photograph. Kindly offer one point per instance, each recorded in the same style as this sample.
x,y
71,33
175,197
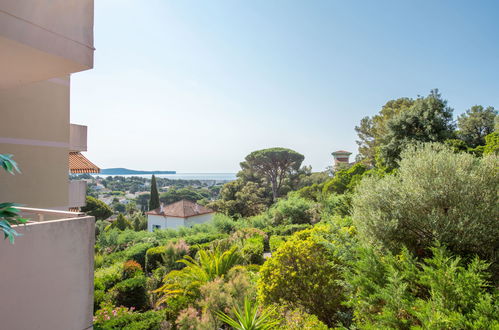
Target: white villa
x,y
179,214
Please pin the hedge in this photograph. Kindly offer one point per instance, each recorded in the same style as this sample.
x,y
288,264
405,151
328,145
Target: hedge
x,y
150,320
131,293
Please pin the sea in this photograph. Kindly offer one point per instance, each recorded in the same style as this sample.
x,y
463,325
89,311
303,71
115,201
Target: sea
x,y
219,177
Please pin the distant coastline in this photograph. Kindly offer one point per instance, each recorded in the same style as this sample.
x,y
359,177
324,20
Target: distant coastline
x,y
126,171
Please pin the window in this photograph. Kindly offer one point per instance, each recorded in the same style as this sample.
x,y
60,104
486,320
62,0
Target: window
x,y
154,227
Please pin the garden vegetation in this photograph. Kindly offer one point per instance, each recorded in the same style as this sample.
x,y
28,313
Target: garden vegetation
x,y
407,238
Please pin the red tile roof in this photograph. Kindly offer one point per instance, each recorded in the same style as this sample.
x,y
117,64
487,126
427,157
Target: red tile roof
x,y
181,209
79,164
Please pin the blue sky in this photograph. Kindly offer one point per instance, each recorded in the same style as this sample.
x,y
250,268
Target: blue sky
x,y
194,86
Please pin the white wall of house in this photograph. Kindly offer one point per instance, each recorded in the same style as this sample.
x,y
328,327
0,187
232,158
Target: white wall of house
x,y
198,219
153,221
163,222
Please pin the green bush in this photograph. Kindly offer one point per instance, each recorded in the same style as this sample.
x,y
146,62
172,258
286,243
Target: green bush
x,y
174,252
295,319
345,180
436,195
201,238
398,292
137,252
154,257
286,230
293,210
305,272
131,268
131,293
151,320
224,224
491,144
113,257
105,278
337,204
252,250
276,241
99,297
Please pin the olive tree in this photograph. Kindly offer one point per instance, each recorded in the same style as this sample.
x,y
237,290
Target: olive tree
x,y
435,195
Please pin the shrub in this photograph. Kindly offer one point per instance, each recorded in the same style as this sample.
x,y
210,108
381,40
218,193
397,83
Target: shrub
x,y
99,298
201,238
293,210
154,257
131,293
174,252
105,278
337,204
304,272
295,319
224,223
98,260
108,312
441,292
252,250
151,320
276,241
137,252
286,230
209,265
131,269
218,295
435,195
491,144
345,179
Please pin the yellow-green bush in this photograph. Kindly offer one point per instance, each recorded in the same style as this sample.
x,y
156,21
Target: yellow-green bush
x,y
252,250
304,272
276,241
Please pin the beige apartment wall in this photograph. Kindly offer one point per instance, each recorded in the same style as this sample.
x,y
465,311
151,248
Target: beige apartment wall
x,y
47,276
43,39
60,27
34,127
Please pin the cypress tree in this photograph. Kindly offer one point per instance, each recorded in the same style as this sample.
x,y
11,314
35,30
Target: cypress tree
x,y
154,200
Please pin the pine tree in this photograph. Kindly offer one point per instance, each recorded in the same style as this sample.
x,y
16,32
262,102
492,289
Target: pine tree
x,y
154,200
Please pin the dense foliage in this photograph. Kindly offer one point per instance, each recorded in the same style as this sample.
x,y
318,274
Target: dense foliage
x,y
406,238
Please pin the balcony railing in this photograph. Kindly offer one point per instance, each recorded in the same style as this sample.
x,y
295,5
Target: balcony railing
x,y
77,137
34,214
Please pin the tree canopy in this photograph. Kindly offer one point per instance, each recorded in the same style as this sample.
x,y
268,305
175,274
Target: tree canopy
x,y
274,164
476,123
429,119
97,208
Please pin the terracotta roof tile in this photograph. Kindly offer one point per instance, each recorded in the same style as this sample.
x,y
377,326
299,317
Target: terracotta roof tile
x,y
181,209
79,164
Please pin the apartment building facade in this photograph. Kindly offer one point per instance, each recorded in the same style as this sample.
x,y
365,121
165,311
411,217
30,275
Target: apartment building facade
x,y
47,275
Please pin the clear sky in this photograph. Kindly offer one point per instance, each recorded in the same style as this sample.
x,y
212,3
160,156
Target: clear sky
x,y
194,86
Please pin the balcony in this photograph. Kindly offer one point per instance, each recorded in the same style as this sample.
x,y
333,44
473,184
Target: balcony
x,y
77,137
47,274
44,39
77,193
